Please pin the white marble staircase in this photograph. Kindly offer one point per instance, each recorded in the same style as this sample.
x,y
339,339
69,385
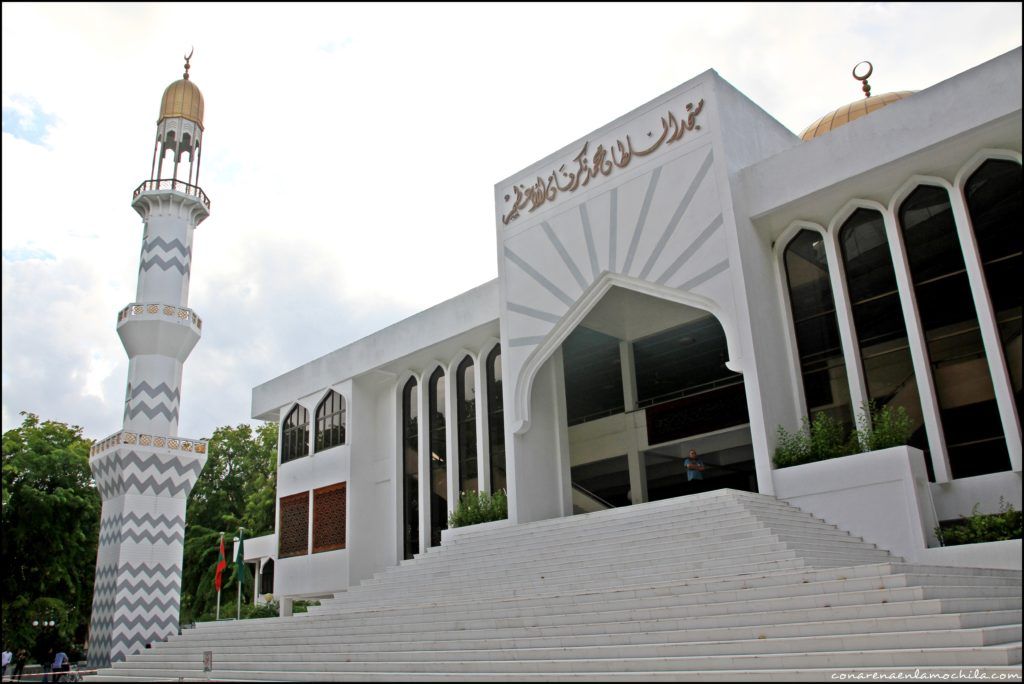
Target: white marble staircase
x,y
722,586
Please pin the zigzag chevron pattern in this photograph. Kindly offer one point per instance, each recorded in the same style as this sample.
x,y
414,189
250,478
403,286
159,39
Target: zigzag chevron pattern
x,y
151,411
173,262
144,527
133,604
161,476
174,245
152,392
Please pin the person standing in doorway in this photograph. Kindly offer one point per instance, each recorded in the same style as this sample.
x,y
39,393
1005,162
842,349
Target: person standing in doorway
x,y
20,659
8,656
694,471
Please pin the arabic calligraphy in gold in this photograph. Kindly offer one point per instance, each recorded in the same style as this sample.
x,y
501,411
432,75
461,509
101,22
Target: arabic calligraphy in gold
x,y
602,163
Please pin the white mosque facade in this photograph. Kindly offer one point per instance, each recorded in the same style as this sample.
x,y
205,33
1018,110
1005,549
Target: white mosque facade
x,y
690,276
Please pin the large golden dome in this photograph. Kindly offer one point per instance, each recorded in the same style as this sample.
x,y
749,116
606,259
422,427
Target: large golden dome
x,y
182,98
852,111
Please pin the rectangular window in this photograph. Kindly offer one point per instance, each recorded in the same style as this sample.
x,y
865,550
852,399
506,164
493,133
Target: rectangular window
x,y
293,530
329,518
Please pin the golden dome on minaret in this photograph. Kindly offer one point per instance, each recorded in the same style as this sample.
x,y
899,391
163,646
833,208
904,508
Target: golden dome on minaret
x,y
854,110
182,98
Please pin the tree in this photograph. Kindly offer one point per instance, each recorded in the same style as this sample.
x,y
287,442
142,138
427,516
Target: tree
x,y
51,515
236,489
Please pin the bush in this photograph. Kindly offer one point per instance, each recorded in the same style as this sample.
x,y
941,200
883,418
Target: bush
x,y
479,507
825,437
977,528
889,427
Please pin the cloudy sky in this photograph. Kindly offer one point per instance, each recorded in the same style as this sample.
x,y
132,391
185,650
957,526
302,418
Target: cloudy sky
x,y
350,155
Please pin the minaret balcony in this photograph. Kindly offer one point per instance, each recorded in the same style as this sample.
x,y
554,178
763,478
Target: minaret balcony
x,y
158,329
158,443
176,186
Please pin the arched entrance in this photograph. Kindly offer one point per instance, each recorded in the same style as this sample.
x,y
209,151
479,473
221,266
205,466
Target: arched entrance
x,y
645,381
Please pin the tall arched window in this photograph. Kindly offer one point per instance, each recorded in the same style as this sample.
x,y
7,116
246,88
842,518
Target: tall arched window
x,y
817,334
878,319
970,417
994,199
410,468
438,457
295,436
330,421
495,420
465,395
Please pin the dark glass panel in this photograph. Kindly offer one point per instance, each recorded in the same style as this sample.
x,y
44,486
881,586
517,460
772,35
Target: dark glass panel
x,y
410,468
496,420
826,388
465,396
606,480
878,319
295,438
970,419
994,200
684,360
438,457
593,375
330,422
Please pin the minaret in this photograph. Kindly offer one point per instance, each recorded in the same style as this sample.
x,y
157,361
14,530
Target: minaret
x,y
145,472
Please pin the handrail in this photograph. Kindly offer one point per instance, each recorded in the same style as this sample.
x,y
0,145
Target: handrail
x,y
173,184
593,496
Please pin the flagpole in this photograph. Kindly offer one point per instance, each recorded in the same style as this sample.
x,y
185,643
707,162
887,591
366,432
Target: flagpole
x,y
218,588
239,562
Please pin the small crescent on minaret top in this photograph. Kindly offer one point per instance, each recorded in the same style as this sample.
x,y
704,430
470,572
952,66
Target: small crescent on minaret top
x,y
187,58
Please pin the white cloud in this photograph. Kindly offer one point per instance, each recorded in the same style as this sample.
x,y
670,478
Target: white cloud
x,y
351,152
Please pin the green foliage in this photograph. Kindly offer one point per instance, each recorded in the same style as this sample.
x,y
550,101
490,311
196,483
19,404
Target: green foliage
x,y
479,507
889,426
51,515
236,489
825,437
977,528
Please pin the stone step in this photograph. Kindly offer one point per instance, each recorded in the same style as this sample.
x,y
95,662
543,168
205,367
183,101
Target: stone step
x,y
998,655
459,640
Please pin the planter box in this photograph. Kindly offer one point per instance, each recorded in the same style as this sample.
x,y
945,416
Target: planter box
x,y
454,532
882,496
1000,554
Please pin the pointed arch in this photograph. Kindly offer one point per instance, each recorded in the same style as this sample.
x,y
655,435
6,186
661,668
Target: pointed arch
x,y
587,301
330,422
295,434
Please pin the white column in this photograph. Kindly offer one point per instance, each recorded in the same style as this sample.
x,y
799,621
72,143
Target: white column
x,y
628,369
989,328
918,350
847,329
423,425
483,457
451,425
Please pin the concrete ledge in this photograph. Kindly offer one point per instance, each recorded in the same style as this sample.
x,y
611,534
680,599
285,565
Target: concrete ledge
x,y
455,532
881,496
1005,555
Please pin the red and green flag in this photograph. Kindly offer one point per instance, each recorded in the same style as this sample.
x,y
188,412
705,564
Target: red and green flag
x,y
222,563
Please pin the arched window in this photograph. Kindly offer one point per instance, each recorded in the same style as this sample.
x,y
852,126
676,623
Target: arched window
x,y
465,395
267,577
495,420
295,437
994,200
330,422
826,388
970,417
438,457
878,319
410,468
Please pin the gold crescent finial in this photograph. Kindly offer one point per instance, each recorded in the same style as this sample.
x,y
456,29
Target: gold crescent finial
x,y
864,79
187,58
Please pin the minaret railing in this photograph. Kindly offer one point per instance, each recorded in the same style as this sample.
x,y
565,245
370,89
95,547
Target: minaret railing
x,y
173,184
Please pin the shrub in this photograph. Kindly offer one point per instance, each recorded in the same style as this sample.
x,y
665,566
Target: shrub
x,y
977,528
889,426
823,438
479,507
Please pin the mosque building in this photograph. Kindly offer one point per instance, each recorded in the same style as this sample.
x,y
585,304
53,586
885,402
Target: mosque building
x,y
690,276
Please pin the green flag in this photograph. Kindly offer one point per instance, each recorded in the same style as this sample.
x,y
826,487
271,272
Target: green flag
x,y
240,569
